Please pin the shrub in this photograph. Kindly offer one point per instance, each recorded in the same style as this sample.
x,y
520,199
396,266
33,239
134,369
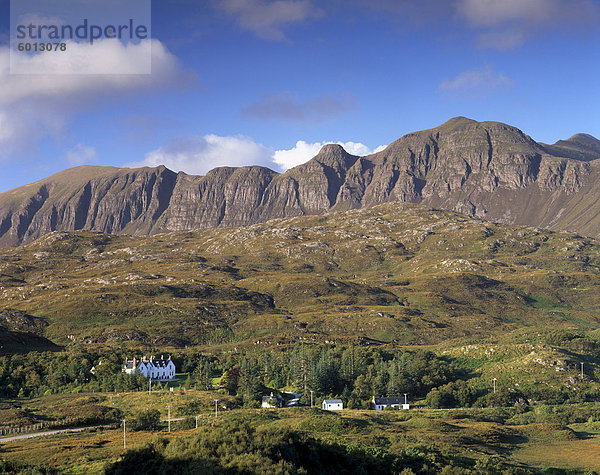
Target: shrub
x,y
191,408
188,422
147,420
456,394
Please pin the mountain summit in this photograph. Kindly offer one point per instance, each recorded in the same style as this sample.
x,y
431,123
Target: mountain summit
x,y
483,169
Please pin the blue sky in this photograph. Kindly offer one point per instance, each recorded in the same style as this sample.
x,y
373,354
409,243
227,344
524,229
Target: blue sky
x,y
244,82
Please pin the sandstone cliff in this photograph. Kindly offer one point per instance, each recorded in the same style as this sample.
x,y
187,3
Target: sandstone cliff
x,y
484,169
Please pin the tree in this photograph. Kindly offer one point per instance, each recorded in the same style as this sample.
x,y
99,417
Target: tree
x,y
249,385
202,376
455,394
363,391
303,367
108,365
230,380
438,398
327,375
147,420
380,384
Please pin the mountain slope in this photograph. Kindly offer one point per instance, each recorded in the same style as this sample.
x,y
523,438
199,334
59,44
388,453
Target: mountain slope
x,y
579,147
397,273
483,169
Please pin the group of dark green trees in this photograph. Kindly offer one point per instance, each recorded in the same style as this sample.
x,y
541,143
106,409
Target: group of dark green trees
x,y
354,373
40,373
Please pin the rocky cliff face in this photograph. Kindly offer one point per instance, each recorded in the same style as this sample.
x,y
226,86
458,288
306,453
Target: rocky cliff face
x,y
485,169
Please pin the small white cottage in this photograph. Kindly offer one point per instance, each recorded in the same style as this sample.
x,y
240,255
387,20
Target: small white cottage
x,y
271,401
152,368
380,403
333,405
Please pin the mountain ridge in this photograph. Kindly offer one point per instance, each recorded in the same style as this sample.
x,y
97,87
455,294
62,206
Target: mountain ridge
x,y
483,169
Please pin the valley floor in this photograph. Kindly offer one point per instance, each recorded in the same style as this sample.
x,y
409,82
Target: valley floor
x,y
531,441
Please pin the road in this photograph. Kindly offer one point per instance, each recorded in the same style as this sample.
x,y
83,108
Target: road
x,y
47,432
12,438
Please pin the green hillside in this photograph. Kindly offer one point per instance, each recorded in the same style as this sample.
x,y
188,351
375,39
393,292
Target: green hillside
x,y
341,304
397,274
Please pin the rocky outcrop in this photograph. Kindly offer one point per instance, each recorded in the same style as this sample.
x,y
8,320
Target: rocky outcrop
x,y
94,198
19,321
484,169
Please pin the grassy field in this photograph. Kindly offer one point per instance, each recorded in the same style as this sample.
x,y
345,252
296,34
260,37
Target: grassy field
x,y
474,434
60,407
580,454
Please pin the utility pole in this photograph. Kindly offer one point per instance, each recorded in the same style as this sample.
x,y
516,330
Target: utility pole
x,y
149,385
196,421
124,440
216,408
311,398
582,370
169,408
494,381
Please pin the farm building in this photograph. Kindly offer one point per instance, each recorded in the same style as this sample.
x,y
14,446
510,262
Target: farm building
x,y
380,403
333,404
152,368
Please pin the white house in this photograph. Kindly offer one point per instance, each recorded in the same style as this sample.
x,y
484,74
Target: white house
x,y
271,401
152,368
333,405
380,403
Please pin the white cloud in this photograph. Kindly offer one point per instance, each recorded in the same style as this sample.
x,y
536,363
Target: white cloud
x,y
505,24
478,81
267,18
7,128
287,106
297,155
493,12
81,154
36,106
107,56
360,149
304,151
197,155
76,73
